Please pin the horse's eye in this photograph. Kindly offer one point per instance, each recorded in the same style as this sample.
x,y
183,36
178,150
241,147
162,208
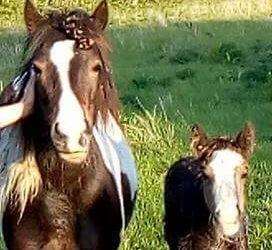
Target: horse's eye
x,y
37,70
97,67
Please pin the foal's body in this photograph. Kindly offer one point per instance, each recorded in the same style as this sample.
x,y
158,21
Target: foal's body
x,y
187,216
205,194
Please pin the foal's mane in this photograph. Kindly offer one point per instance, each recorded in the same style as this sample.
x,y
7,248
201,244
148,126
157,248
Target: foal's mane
x,y
199,161
78,25
214,144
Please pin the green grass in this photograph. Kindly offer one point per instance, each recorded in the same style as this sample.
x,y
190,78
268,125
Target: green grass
x,y
131,12
219,76
217,73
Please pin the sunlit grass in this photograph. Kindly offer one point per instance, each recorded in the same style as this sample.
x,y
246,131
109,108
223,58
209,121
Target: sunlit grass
x,y
156,143
135,12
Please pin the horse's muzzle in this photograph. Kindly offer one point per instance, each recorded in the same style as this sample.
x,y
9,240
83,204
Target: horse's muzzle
x,y
73,149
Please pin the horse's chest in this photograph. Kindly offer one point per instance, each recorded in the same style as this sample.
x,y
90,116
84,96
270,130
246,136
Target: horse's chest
x,y
109,177
79,186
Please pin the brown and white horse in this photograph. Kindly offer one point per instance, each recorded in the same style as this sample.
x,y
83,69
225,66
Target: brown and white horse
x,y
68,177
205,194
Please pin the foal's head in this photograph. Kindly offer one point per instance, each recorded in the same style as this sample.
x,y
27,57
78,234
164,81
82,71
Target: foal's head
x,y
70,53
225,166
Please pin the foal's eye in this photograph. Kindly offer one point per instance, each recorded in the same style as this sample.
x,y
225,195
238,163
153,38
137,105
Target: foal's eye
x,y
244,175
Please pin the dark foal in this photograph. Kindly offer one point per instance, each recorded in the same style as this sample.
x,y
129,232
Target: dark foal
x,y
74,185
205,194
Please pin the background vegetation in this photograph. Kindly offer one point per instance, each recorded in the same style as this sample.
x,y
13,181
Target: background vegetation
x,y
132,12
177,63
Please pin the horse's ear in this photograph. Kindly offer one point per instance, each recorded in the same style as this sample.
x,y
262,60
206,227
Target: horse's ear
x,y
100,16
32,17
246,140
198,139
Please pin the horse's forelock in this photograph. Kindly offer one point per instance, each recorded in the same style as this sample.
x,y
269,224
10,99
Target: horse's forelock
x,y
55,22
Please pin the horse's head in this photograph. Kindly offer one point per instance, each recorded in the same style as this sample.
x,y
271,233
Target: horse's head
x,y
225,166
70,53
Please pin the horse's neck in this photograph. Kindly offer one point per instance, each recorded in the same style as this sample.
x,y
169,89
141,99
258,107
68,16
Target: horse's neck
x,y
58,174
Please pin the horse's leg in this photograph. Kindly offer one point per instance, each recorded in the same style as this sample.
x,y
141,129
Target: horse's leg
x,y
24,234
97,236
99,228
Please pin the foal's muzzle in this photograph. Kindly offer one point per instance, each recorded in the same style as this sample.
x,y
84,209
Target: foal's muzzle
x,y
70,148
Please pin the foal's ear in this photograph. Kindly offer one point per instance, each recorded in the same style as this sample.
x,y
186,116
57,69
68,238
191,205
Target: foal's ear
x,y
246,140
32,17
100,16
198,139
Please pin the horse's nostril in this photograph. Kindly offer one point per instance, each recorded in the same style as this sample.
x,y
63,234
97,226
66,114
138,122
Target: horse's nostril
x,y
232,237
84,140
57,131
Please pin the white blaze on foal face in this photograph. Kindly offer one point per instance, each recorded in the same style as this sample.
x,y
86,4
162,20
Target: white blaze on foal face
x,y
70,117
224,164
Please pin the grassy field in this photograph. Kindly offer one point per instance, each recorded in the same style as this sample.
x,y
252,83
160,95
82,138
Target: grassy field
x,y
217,73
131,12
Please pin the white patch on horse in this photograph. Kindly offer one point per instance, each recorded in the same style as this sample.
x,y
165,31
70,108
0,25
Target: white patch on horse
x,y
223,164
128,166
116,155
111,160
70,116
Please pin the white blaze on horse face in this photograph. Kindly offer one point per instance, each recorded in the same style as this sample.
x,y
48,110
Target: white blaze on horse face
x,y
70,117
224,164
